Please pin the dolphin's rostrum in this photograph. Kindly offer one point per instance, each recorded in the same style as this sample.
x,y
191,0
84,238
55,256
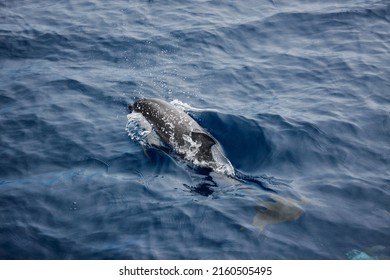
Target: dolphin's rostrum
x,y
183,134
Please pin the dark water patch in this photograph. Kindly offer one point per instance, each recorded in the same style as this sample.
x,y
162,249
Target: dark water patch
x,y
310,144
6,101
242,139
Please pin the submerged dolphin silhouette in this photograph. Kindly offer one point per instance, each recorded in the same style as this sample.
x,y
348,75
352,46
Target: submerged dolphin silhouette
x,y
183,134
277,211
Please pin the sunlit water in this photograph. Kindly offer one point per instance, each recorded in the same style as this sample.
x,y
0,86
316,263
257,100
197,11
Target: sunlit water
x,y
296,93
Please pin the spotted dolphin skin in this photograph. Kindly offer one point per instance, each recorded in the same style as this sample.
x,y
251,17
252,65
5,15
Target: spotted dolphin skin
x,y
183,134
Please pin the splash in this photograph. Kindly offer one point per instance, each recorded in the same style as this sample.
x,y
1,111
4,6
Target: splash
x,y
140,130
182,105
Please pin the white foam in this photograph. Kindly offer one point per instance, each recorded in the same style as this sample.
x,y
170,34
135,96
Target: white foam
x,y
186,107
138,128
182,105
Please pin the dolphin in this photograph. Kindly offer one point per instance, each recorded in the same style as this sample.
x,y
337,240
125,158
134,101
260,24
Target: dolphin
x,y
186,138
183,134
274,212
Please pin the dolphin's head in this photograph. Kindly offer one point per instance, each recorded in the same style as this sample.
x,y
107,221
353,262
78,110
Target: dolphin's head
x,y
146,106
137,106
141,105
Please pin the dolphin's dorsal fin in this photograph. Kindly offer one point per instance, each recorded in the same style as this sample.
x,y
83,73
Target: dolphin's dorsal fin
x,y
206,140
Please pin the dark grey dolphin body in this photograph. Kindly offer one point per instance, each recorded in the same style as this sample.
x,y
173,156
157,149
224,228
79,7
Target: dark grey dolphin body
x,y
189,140
182,133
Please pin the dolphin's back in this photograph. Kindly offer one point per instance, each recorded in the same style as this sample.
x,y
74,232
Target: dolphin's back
x,y
176,128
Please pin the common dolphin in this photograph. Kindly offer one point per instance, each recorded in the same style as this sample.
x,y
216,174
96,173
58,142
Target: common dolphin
x,y
183,134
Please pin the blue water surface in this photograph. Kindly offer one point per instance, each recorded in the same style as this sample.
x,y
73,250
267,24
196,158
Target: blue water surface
x,y
296,92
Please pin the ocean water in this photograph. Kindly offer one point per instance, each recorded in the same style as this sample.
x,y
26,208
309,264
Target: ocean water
x,y
296,92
